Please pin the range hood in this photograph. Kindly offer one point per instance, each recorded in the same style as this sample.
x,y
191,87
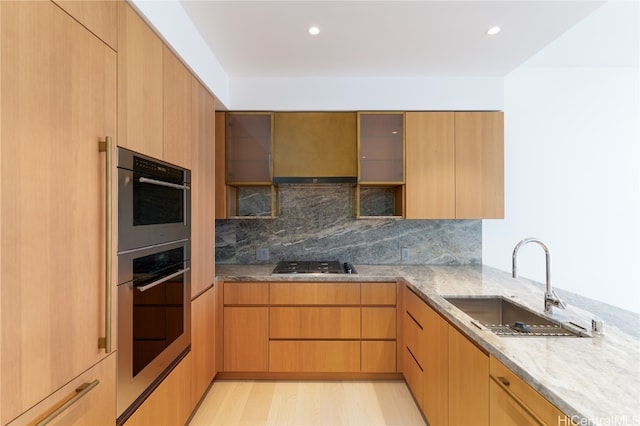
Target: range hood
x,y
315,147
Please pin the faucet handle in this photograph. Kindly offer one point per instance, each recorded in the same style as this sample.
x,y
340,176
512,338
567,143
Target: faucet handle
x,y
553,299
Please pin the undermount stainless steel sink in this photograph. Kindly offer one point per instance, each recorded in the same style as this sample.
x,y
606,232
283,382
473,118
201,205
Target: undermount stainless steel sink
x,y
506,318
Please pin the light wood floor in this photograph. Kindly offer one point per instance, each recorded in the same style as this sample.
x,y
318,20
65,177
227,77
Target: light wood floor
x,y
308,403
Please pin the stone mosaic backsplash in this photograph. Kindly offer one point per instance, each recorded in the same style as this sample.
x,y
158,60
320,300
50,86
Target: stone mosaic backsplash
x,y
316,222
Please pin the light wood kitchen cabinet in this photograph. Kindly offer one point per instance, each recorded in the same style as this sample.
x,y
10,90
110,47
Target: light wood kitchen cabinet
x,y
313,322
378,293
140,85
177,110
171,402
479,165
58,101
319,293
202,197
95,398
203,334
468,381
221,205
246,327
454,165
514,402
430,162
415,350
246,338
100,17
436,368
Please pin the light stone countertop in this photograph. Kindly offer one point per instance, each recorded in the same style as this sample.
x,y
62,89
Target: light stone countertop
x,y
595,380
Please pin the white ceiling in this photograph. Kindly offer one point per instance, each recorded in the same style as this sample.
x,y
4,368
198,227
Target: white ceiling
x,y
379,38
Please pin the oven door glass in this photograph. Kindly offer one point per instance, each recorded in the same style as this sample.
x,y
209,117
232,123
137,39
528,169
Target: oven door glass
x,y
158,304
155,203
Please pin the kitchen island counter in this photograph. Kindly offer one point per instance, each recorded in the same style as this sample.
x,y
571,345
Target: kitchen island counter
x,y
594,380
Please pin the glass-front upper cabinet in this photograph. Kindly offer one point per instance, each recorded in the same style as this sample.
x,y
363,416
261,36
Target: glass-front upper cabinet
x,y
381,147
249,137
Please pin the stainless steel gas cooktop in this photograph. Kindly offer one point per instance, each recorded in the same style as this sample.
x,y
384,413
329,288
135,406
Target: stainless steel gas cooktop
x,y
313,267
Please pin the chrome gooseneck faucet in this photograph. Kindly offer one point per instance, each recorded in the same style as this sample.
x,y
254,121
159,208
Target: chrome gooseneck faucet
x,y
551,299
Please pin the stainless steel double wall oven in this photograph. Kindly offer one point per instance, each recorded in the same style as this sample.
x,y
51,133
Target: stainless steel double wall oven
x,y
154,288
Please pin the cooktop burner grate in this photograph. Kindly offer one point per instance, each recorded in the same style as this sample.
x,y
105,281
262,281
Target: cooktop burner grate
x,y
312,267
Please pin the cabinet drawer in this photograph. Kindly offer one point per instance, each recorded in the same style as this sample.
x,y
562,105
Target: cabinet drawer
x,y
414,338
244,293
378,323
517,388
378,293
314,323
414,377
314,293
416,307
324,356
379,356
246,337
97,406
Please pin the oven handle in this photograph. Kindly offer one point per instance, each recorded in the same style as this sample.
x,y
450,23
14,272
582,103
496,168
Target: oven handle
x,y
161,280
163,183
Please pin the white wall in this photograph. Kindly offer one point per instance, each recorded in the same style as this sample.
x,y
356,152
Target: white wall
x,y
572,161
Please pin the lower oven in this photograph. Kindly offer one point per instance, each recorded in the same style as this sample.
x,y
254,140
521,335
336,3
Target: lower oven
x,y
154,319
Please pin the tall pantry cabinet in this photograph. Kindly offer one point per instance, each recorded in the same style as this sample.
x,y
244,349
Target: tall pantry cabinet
x,y
58,101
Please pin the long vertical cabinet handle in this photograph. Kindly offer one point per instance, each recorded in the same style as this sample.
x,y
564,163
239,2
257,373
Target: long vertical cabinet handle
x,y
105,342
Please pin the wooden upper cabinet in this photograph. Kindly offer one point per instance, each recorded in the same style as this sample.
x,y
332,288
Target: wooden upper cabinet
x,y
221,167
455,165
177,104
479,165
315,144
58,101
140,82
430,187
249,148
99,17
202,182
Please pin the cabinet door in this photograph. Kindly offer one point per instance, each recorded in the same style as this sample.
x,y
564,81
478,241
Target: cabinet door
x,y
202,197
58,100
100,17
177,105
203,311
246,338
431,166
479,165
249,148
468,382
378,356
313,144
140,110
314,293
505,410
222,211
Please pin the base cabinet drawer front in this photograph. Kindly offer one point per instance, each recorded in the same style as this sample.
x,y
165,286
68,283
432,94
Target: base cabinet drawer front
x,y
244,293
436,369
414,339
246,338
512,398
414,376
378,356
170,403
303,293
96,405
324,356
378,293
378,323
314,323
416,307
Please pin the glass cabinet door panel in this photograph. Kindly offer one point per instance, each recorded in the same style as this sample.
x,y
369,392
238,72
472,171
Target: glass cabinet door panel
x,y
381,147
249,148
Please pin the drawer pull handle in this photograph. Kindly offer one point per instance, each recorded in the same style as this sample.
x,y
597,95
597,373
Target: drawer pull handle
x,y
503,383
81,391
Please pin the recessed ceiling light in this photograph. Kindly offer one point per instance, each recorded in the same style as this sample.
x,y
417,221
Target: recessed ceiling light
x,y
314,30
493,30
